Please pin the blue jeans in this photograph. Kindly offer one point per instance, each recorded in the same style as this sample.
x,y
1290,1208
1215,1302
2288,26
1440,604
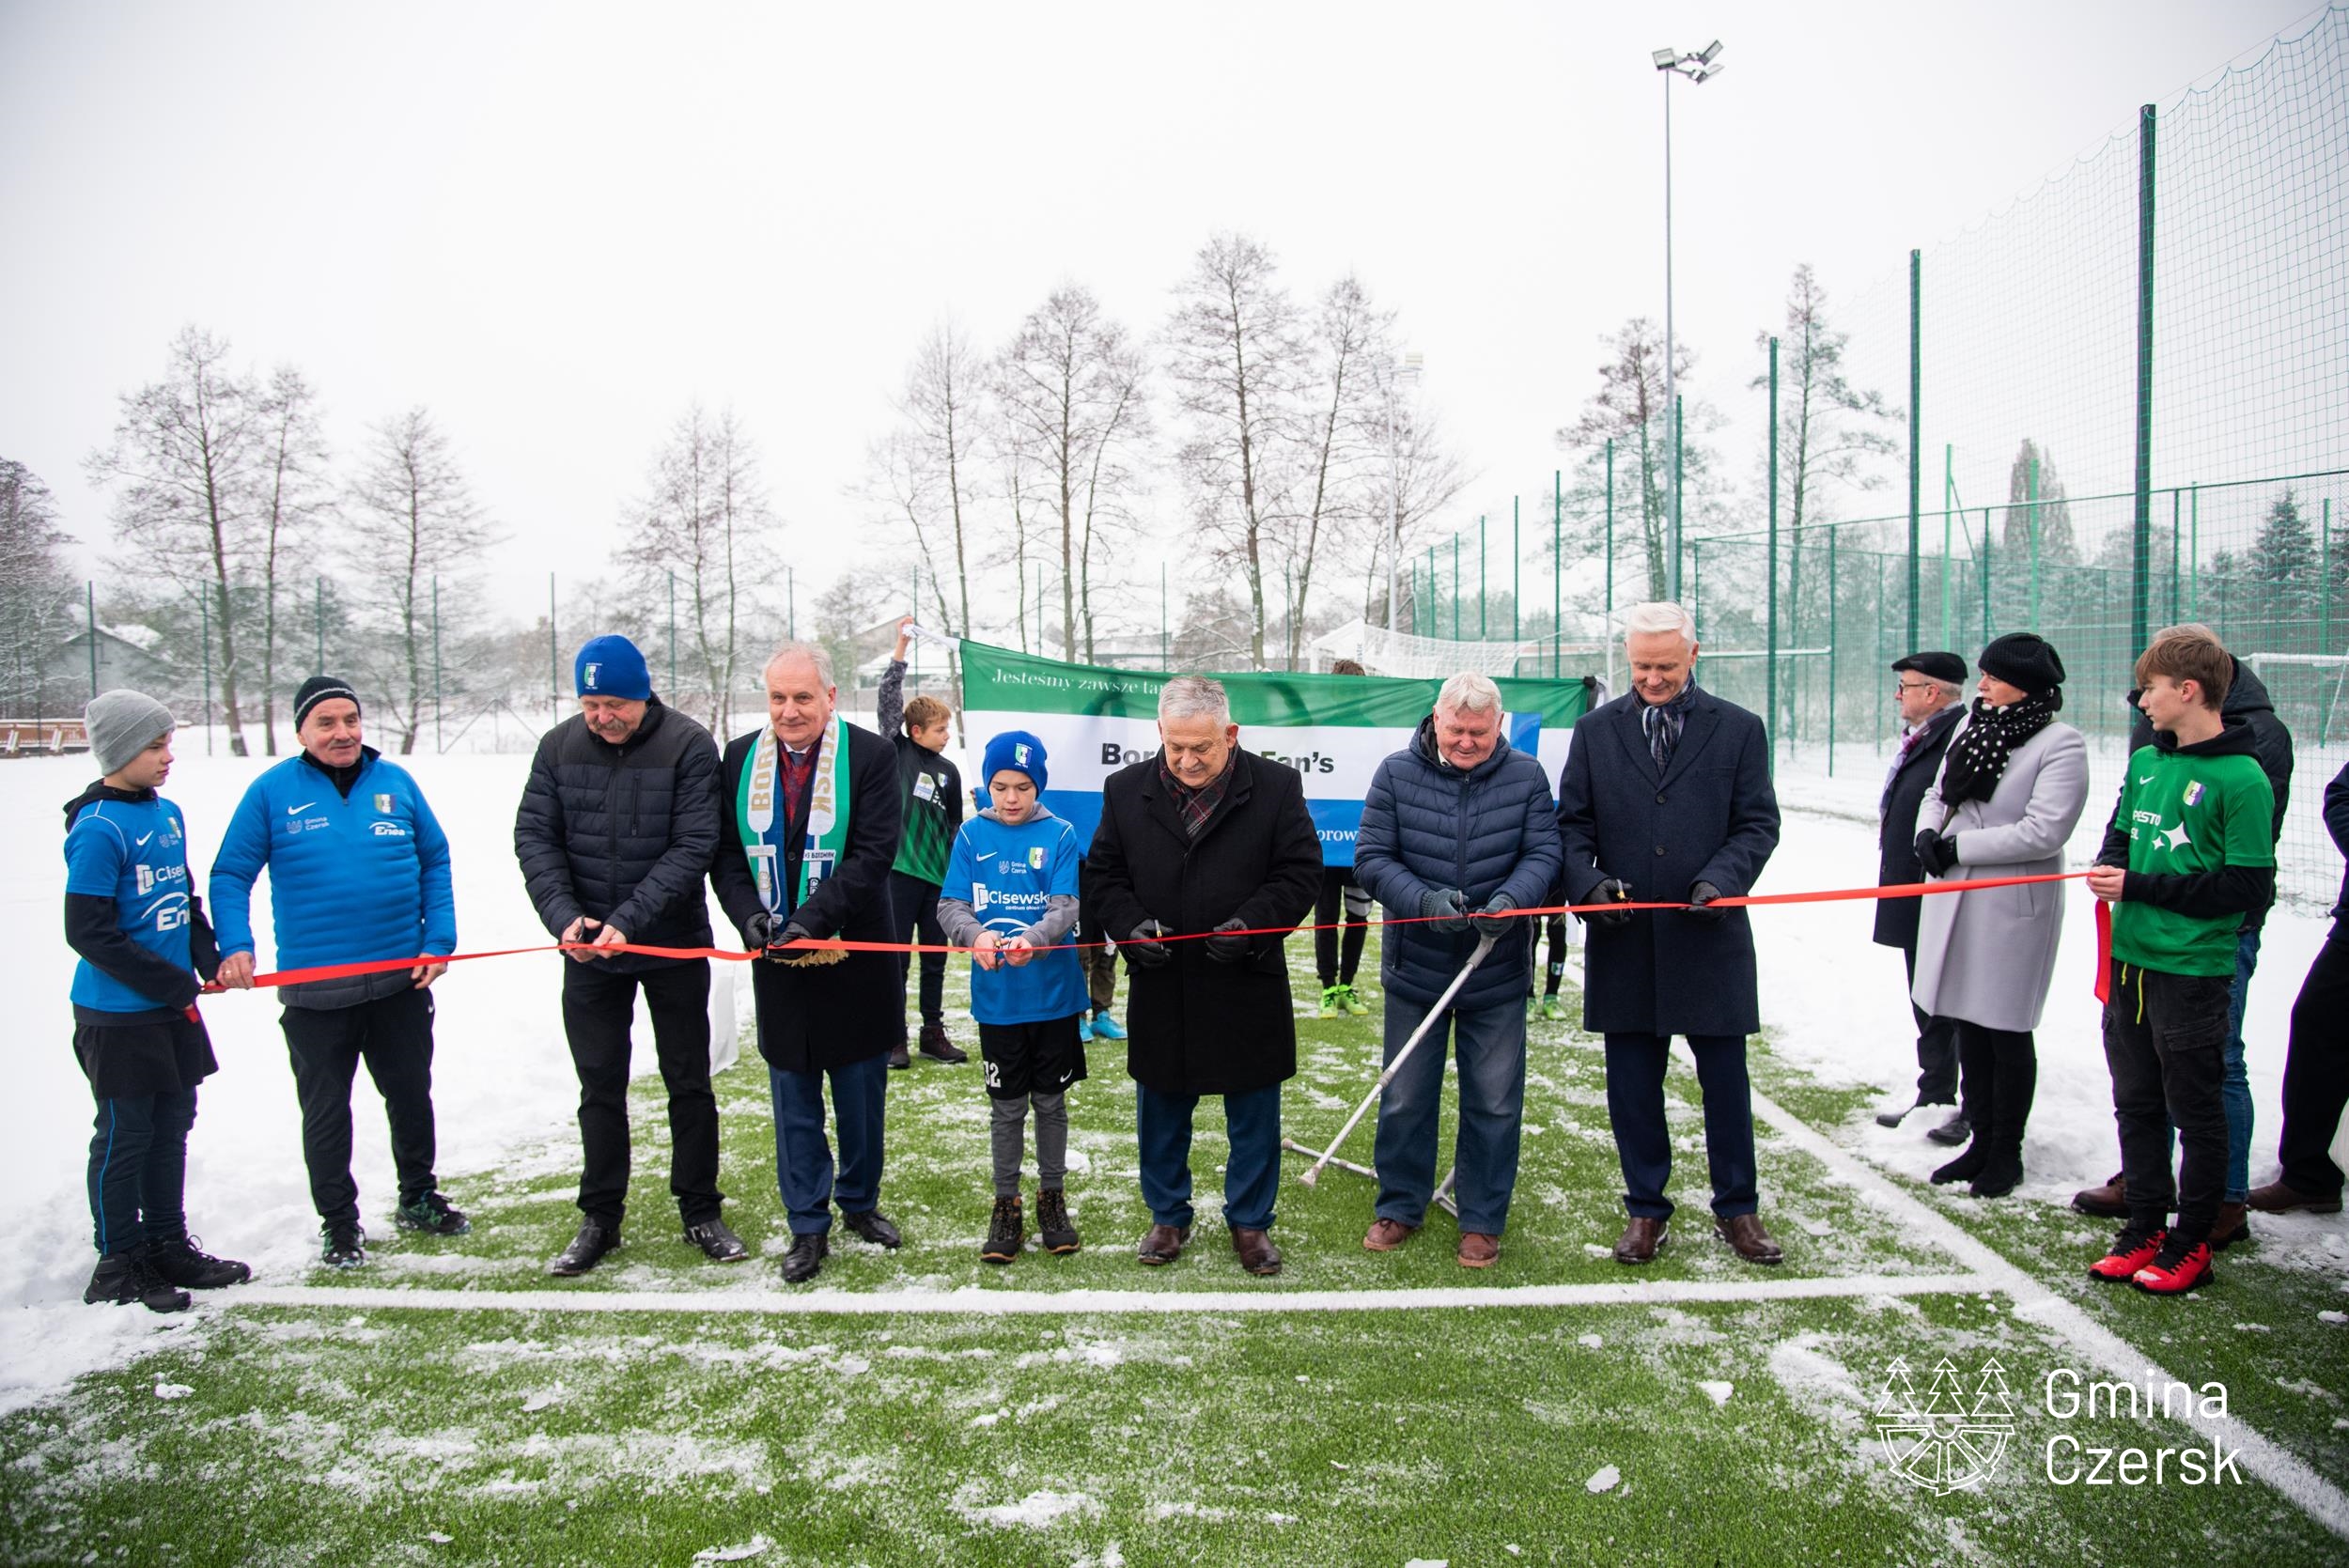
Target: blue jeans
x,y
1490,1045
138,1169
1252,1175
803,1164
2234,1089
1635,1104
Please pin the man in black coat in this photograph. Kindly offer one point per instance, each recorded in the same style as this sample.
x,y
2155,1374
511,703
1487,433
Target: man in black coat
x,y
1666,798
808,819
615,833
1931,691
1206,837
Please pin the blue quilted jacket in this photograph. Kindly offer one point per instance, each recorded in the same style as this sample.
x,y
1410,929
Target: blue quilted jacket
x,y
1427,825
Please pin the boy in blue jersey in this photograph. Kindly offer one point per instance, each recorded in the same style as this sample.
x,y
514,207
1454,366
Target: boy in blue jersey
x,y
359,873
131,915
1011,890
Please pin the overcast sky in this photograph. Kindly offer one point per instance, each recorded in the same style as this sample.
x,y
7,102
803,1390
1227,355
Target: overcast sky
x,y
555,225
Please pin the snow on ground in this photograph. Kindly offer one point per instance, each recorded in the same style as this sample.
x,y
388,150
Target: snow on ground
x,y
501,1075
1837,1006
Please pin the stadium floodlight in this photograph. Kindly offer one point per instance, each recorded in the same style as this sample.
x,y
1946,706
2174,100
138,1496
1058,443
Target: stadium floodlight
x,y
1696,67
1667,58
1412,367
1710,52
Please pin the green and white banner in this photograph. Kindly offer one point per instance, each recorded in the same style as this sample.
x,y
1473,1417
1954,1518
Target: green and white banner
x,y
1333,729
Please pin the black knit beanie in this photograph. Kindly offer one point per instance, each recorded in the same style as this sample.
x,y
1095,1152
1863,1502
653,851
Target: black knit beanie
x,y
320,689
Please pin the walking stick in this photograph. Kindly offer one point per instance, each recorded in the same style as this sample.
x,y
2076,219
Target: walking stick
x,y
1484,945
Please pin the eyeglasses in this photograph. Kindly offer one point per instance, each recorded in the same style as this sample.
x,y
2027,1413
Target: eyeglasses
x,y
1907,686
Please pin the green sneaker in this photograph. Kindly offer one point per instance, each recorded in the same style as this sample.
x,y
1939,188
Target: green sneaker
x,y
1353,1003
1552,1009
1331,996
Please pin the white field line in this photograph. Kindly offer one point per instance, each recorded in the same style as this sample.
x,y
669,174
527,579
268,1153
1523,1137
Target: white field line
x,y
2316,1495
995,1303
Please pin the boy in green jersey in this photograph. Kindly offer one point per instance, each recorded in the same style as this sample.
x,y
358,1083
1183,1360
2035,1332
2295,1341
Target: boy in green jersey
x,y
2189,852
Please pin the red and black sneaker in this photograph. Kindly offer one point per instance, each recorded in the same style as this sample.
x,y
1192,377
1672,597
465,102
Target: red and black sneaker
x,y
2176,1270
2131,1251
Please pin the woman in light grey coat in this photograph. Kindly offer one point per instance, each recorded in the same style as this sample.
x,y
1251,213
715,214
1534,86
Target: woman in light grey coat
x,y
2011,789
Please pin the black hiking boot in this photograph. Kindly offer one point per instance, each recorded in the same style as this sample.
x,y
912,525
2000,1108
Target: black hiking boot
x,y
185,1263
343,1244
1053,1228
1006,1232
122,1277
432,1215
936,1047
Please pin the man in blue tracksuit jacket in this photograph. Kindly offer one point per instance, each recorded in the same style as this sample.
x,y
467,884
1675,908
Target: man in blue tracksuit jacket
x,y
358,871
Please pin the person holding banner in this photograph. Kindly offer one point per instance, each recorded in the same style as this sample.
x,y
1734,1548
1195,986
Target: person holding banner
x,y
1457,832
1206,837
1666,799
359,873
808,826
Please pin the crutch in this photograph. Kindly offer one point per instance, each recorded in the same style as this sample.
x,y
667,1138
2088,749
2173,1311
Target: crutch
x,y
1484,945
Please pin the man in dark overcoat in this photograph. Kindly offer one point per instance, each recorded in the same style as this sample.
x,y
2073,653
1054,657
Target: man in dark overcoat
x,y
1666,798
808,817
1931,691
1206,837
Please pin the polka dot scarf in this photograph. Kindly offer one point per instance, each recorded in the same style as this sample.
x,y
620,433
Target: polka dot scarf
x,y
1978,758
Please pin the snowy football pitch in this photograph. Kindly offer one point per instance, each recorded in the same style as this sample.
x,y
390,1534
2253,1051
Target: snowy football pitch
x,y
455,1404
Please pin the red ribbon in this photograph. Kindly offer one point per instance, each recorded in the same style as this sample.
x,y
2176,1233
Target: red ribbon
x,y
1896,890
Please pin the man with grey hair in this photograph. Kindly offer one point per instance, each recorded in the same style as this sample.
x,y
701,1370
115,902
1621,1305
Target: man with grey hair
x,y
1456,834
808,813
1930,688
1204,838
1666,799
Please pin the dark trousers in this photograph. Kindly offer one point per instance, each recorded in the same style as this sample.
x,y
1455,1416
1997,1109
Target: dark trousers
x,y
393,1034
916,905
1555,971
1635,1106
804,1172
1099,960
1937,1052
139,1169
598,1007
2166,1044
1252,1173
1337,955
2316,1073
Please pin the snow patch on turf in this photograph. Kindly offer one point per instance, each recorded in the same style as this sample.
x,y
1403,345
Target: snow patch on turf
x,y
1818,1383
756,1547
1602,1480
1037,1511
1717,1392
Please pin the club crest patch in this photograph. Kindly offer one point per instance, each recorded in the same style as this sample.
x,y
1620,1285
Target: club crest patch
x,y
384,805
2194,792
1035,857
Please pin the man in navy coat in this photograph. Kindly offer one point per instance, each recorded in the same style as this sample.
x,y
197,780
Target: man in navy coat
x,y
1666,798
1931,691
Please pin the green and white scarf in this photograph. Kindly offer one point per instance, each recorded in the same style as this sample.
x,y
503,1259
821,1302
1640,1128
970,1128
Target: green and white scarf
x,y
827,813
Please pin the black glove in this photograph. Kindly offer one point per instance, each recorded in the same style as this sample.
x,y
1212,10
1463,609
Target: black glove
x,y
1701,898
1144,948
1226,949
1489,920
759,930
1937,852
1444,909
1610,890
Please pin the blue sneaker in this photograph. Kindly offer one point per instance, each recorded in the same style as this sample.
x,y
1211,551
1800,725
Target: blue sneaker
x,y
1105,1027
1084,1028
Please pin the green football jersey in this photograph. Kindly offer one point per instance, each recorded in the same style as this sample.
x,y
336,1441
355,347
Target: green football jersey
x,y
2188,813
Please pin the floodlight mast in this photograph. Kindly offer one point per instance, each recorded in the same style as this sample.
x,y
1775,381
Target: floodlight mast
x,y
1697,67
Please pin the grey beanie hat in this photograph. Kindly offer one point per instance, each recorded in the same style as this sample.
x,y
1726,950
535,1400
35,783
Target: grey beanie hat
x,y
121,722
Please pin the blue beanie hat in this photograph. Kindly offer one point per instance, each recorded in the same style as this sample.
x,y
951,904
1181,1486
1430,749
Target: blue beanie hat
x,y
610,666
1019,752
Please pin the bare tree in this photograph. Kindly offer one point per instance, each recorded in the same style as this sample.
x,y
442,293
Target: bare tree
x,y
705,519
1629,409
1416,476
1235,355
36,595
1349,343
293,496
412,558
182,465
925,471
1072,384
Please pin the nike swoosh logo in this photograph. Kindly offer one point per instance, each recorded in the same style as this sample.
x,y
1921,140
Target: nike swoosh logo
x,y
2146,778
297,811
144,837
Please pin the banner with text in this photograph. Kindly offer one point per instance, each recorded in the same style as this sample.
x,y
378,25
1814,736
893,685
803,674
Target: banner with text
x,y
1333,729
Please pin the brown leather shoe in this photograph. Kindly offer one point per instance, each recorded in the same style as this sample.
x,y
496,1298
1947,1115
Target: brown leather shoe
x,y
1748,1239
1478,1250
1641,1240
1385,1235
2233,1225
1163,1245
2282,1198
1256,1252
2107,1202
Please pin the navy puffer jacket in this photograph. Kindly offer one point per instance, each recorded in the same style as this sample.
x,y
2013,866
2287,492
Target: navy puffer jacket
x,y
1427,825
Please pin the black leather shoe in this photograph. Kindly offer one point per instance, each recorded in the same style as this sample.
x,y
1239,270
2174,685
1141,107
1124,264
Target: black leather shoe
x,y
1956,1130
808,1251
586,1249
717,1240
874,1226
